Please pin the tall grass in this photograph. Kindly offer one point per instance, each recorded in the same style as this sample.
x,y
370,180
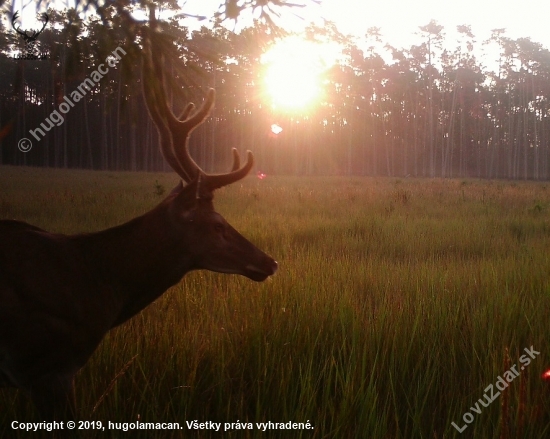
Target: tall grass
x,y
396,304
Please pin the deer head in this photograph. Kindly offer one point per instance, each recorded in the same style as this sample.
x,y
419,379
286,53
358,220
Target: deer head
x,y
216,245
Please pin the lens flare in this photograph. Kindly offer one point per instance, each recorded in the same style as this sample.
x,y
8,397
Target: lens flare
x,y
276,129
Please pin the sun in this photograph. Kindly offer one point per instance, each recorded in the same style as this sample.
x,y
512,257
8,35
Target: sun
x,y
293,75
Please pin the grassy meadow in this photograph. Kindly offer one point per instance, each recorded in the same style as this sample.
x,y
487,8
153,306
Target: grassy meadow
x,y
396,304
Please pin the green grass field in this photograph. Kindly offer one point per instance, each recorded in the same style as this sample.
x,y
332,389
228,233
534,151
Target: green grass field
x,y
396,304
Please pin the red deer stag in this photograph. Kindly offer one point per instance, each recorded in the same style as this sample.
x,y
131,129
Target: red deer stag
x,y
60,295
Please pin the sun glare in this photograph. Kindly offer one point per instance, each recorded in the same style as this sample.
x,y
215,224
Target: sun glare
x,y
294,70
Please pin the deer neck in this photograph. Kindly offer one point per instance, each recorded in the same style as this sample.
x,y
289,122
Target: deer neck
x,y
137,261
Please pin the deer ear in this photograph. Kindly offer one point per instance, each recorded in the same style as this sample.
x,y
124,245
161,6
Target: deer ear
x,y
189,196
203,192
184,201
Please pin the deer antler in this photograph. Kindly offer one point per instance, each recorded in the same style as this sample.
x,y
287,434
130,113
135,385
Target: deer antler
x,y
175,131
151,94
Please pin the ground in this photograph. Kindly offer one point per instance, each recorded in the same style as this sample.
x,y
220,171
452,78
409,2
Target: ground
x,y
397,304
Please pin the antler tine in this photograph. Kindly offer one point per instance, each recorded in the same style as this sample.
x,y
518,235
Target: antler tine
x,y
216,181
236,160
187,111
152,98
181,130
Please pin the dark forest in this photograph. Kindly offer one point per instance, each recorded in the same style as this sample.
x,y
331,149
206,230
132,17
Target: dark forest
x,y
426,110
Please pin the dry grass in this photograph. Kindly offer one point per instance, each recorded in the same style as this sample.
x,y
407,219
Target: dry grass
x,y
397,303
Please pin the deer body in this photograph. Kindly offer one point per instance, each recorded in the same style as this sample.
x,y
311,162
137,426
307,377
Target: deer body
x,y
60,295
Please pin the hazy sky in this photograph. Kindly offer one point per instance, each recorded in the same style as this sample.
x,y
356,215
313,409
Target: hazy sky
x,y
400,19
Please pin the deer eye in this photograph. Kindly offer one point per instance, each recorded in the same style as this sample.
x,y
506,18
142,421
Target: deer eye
x,y
219,228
